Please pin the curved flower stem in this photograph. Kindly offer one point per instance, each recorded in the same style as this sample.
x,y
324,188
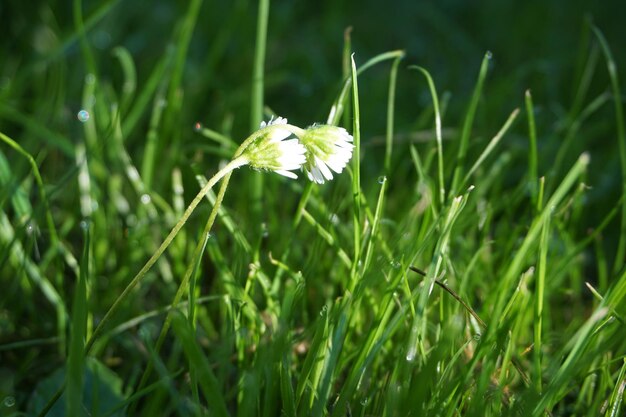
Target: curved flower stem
x,y
235,163
185,281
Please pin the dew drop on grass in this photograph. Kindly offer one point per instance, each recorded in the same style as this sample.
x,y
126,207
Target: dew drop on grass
x,y
9,401
382,179
83,116
489,55
145,199
395,264
264,231
410,355
30,228
84,224
90,79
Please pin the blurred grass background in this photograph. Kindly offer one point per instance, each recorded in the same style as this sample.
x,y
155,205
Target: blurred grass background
x,y
537,45
545,46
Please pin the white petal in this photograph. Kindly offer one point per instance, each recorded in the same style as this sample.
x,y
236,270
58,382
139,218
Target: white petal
x,y
336,164
276,135
288,174
344,156
344,145
290,165
322,167
292,154
278,121
344,133
316,175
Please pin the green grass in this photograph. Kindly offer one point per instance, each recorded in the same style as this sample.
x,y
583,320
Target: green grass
x,y
469,260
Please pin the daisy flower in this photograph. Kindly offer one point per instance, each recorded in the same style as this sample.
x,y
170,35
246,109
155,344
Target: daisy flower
x,y
271,149
328,148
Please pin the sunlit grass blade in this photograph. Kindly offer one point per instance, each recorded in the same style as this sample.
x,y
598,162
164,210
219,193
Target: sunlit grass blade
x,y
130,75
328,237
589,110
621,140
539,300
515,265
223,140
312,365
338,106
438,136
418,328
490,147
374,343
375,225
132,173
334,343
257,97
20,261
559,383
468,123
533,179
42,192
617,396
391,101
152,138
356,177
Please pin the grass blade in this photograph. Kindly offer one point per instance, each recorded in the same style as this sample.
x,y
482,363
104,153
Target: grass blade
x,y
438,136
539,300
515,265
78,328
257,98
533,179
391,101
468,123
490,147
621,140
356,178
198,361
338,106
